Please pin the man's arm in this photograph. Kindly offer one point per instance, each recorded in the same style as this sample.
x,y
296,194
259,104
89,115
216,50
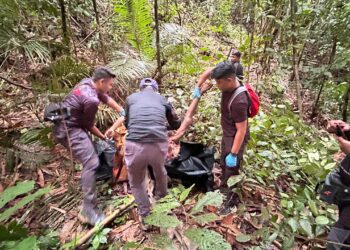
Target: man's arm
x,y
204,76
239,137
173,120
114,105
95,131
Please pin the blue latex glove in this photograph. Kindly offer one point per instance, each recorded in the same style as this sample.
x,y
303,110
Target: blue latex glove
x,y
231,160
196,93
122,112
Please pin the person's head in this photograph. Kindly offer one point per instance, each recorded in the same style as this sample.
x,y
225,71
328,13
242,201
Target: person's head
x,y
235,56
225,76
103,79
148,83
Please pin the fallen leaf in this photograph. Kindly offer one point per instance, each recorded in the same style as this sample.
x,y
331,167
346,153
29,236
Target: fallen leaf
x,y
40,180
228,219
65,233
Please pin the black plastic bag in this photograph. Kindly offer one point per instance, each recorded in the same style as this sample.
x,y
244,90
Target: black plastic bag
x,y
194,165
106,152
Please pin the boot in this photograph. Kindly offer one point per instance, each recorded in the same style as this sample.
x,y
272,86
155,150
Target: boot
x,y
91,216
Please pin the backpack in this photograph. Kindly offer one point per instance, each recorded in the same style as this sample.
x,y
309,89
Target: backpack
x,y
332,190
253,99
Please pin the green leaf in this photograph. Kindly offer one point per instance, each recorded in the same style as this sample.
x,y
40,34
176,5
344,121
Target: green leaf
x,y
243,238
330,165
165,207
96,242
27,244
185,193
29,198
206,239
233,180
210,198
162,220
163,242
12,192
322,220
306,227
288,243
293,224
205,218
313,208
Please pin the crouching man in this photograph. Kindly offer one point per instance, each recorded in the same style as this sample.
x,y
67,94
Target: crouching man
x,y
83,102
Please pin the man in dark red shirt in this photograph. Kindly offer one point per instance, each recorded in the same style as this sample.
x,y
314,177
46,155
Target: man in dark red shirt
x,y
83,102
234,120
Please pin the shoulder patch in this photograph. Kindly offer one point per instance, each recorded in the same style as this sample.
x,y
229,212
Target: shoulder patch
x,y
77,92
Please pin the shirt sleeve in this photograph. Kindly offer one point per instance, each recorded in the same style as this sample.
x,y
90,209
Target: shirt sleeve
x,y
239,108
103,98
89,112
173,120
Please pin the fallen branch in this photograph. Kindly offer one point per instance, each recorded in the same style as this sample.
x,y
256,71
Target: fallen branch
x,y
107,220
16,84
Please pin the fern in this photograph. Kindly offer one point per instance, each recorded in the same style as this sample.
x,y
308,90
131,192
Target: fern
x,y
162,220
135,16
210,198
205,218
12,192
206,239
29,198
163,242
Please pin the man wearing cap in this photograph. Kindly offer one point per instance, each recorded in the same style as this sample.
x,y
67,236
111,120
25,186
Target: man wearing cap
x,y
147,115
83,102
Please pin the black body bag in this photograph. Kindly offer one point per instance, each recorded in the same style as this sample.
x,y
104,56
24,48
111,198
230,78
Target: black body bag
x,y
194,165
106,152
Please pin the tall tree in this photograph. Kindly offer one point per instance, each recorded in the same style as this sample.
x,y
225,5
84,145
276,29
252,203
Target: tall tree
x,y
64,26
159,63
99,31
293,6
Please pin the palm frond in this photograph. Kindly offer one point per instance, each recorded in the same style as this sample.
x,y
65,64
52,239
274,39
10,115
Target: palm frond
x,y
135,16
128,69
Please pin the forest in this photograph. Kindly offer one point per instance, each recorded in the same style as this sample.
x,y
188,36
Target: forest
x,y
296,57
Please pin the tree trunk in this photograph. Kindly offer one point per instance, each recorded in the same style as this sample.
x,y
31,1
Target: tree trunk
x,y
295,64
159,63
65,34
345,105
99,34
251,43
330,61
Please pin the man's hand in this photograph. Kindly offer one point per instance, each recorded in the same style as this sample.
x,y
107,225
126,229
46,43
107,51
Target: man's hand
x,y
231,160
344,145
95,131
332,125
205,87
196,93
109,133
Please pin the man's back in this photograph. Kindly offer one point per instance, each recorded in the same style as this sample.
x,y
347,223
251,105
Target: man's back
x,y
146,117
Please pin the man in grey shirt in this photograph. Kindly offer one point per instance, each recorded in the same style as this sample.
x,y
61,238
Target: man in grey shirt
x,y
83,102
147,113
